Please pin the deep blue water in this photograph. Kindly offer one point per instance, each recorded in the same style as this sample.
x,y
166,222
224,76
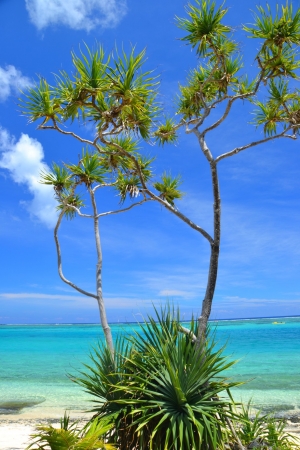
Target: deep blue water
x,y
35,361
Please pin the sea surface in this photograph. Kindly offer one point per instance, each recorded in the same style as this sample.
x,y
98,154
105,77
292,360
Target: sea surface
x,y
35,361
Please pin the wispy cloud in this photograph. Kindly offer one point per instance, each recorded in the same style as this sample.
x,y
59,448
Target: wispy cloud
x,y
17,295
253,302
79,301
11,82
40,298
76,14
24,161
176,282
176,293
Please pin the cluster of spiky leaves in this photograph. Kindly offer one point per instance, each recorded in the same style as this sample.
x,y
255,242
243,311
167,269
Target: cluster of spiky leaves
x,y
70,437
263,430
161,390
218,76
118,166
112,92
282,108
168,188
166,132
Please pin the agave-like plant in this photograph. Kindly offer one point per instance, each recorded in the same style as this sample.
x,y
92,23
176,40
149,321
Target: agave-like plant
x,y
163,391
71,437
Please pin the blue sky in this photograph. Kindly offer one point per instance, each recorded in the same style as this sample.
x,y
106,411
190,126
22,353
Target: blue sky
x,y
149,255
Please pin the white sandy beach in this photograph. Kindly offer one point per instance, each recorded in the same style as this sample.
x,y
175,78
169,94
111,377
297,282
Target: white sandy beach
x,y
15,435
15,429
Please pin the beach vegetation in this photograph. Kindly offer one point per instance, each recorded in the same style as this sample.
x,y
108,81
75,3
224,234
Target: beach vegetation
x,y
117,96
161,390
257,430
71,436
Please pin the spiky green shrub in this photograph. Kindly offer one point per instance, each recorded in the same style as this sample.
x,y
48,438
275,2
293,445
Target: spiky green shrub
x,y
162,390
264,431
70,437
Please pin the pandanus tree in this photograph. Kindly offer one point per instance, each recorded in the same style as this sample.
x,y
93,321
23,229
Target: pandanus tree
x,y
72,183
120,100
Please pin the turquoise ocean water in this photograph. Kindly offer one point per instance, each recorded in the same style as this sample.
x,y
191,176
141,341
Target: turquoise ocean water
x,y
35,361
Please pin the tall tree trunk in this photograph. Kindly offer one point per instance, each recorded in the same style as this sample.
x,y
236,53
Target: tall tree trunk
x,y
214,256
100,300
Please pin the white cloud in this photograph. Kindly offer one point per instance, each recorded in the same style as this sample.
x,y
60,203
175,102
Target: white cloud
x,y
76,14
176,293
24,161
11,81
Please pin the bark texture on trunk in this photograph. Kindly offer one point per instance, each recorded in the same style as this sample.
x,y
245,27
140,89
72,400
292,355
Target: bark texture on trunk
x,y
100,300
214,251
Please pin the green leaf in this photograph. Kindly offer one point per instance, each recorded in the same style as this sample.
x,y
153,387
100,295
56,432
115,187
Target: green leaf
x,y
204,26
59,178
89,170
40,103
281,28
168,188
166,133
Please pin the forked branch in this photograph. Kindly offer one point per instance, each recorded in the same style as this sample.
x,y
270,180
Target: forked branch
x,y
59,261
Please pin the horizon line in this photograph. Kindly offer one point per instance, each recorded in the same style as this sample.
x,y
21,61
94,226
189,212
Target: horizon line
x,y
133,322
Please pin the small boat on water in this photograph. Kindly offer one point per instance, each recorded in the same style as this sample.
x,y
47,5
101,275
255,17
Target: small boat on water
x,y
278,323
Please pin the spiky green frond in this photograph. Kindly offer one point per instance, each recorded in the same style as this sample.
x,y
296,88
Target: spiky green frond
x,y
115,94
277,62
203,25
225,76
67,200
59,178
168,188
114,154
166,133
223,48
88,83
278,91
128,186
89,170
162,390
199,90
134,92
294,115
39,103
90,70
144,166
281,28
280,109
69,437
244,86
268,115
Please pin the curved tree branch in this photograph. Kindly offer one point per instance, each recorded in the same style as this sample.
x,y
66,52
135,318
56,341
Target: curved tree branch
x,y
59,263
187,332
124,209
164,203
253,144
69,133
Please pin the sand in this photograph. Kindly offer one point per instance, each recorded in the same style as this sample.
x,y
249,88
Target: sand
x,y
15,429
15,435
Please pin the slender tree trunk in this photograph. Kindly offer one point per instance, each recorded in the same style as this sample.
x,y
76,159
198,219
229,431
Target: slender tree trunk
x,y
214,256
100,300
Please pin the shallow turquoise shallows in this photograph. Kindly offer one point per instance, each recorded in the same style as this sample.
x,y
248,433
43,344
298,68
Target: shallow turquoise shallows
x,y
35,361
